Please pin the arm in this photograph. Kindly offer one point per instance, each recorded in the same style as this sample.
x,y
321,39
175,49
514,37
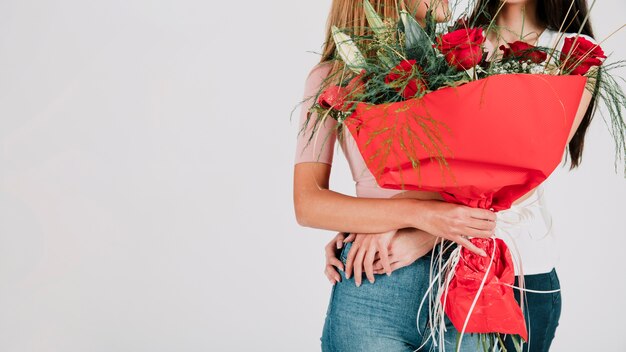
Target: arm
x,y
317,206
585,100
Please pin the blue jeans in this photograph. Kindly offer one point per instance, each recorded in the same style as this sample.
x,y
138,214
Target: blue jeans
x,y
383,316
541,310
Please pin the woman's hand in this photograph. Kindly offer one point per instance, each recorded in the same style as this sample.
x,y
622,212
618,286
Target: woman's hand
x,y
332,258
454,222
363,253
407,246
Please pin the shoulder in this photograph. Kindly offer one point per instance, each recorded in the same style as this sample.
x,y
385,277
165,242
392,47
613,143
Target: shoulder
x,y
586,41
574,35
316,77
555,39
320,71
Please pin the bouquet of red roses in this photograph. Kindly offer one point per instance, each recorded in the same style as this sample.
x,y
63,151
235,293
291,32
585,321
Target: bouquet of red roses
x,y
429,112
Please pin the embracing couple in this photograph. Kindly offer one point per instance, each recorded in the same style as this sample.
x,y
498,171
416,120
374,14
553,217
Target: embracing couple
x,y
380,261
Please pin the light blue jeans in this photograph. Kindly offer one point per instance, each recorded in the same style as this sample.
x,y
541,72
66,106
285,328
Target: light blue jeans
x,y
383,316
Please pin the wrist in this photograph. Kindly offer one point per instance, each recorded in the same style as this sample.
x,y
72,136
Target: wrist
x,y
417,213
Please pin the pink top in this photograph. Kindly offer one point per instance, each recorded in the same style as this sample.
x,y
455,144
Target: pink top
x,y
321,147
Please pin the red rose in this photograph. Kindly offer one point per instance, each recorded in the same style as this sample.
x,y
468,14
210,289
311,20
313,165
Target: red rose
x,y
335,97
463,47
580,54
524,51
402,72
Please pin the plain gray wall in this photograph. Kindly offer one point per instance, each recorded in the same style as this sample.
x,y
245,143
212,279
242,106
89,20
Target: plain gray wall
x,y
146,183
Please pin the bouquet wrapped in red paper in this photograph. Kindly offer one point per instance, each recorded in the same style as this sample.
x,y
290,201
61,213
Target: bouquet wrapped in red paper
x,y
497,148
500,137
430,113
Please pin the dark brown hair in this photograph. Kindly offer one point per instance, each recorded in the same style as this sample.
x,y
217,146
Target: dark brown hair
x,y
552,14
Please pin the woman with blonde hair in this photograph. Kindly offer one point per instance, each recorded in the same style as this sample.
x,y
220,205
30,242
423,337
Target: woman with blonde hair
x,y
380,317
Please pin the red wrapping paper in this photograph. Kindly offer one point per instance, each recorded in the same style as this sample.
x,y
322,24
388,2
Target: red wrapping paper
x,y
501,137
496,309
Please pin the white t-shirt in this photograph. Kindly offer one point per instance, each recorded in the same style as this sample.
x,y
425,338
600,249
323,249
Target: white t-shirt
x,y
526,228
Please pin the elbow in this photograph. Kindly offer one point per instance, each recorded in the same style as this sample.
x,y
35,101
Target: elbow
x,y
302,204
302,216
302,221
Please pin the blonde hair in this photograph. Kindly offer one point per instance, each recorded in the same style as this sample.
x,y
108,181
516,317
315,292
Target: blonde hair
x,y
349,14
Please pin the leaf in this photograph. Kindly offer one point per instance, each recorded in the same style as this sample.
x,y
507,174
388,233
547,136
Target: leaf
x,y
384,59
348,51
417,43
373,19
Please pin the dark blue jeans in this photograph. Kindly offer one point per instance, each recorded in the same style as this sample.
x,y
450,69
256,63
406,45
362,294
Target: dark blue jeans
x,y
383,316
541,310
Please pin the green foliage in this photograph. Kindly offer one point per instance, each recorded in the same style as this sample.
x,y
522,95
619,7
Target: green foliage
x,y
609,92
373,19
418,45
348,51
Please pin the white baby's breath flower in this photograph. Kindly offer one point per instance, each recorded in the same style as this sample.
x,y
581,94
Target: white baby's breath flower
x,y
536,69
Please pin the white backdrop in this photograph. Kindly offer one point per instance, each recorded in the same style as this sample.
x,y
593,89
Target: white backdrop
x,y
146,183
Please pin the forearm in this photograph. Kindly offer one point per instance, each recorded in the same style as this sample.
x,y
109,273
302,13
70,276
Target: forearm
x,y
319,207
329,210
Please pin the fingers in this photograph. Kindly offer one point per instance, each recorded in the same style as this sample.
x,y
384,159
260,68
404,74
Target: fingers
x,y
330,251
339,240
478,233
332,274
332,260
470,246
358,265
378,265
369,262
482,225
483,214
350,260
394,266
336,263
350,238
384,259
